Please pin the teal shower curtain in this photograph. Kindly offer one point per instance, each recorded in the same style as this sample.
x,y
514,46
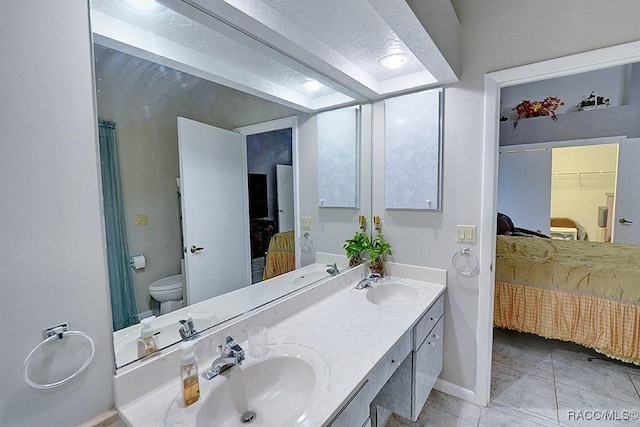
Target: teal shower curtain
x,y
123,302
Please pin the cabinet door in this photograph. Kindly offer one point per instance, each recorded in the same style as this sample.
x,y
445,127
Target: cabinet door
x,y
427,365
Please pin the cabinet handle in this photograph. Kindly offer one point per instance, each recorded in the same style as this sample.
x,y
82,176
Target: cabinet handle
x,y
436,336
431,343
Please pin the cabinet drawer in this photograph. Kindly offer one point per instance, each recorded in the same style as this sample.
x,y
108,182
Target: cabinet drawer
x,y
407,390
391,362
428,321
356,412
427,367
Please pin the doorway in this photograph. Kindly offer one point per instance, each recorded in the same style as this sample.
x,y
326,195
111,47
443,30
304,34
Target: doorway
x,y
602,58
270,155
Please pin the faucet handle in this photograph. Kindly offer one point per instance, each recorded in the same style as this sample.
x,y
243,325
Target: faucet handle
x,y
333,269
233,349
187,330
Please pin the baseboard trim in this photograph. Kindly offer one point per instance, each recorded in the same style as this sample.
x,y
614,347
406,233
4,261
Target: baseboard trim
x,y
105,419
455,390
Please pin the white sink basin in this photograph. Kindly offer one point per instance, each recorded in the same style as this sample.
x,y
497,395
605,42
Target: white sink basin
x,y
307,277
279,389
391,294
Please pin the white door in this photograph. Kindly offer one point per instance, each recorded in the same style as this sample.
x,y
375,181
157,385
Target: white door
x,y
524,188
284,184
214,212
626,222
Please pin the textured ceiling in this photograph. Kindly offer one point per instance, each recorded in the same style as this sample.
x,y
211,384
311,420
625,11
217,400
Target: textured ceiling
x,y
353,29
268,47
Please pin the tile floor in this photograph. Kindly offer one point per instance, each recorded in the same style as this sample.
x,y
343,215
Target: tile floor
x,y
540,382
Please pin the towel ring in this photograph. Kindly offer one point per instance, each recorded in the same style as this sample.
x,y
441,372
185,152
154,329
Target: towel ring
x,y
306,243
52,335
464,251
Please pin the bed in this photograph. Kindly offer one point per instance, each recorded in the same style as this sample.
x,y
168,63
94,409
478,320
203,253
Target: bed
x,y
579,291
280,256
580,232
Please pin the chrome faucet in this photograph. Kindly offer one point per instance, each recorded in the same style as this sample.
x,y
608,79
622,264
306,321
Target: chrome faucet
x,y
369,278
230,355
187,330
332,269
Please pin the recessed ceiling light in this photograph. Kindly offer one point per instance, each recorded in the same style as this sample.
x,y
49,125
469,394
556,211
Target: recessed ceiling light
x,y
311,85
146,5
394,61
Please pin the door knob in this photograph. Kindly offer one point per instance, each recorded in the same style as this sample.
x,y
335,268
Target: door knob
x,y
195,249
624,221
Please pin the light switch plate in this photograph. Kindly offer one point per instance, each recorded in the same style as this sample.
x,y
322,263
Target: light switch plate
x,y
142,219
305,222
466,233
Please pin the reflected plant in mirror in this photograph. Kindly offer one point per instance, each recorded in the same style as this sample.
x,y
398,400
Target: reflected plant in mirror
x,y
355,247
378,250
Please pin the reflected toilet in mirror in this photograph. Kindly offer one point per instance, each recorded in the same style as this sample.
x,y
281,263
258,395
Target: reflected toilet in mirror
x,y
168,293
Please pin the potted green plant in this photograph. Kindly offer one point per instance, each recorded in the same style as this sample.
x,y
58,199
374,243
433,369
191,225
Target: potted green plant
x,y
378,249
355,246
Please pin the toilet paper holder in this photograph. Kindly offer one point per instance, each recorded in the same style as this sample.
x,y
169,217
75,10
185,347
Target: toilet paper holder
x,y
137,261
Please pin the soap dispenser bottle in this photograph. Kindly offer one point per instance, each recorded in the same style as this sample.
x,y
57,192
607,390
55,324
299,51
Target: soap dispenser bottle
x,y
189,373
148,341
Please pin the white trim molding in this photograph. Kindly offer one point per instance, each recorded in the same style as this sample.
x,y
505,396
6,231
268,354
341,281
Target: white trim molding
x,y
455,390
579,63
273,125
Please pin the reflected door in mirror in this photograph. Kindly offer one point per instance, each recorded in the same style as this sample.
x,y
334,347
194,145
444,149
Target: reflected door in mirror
x,y
213,173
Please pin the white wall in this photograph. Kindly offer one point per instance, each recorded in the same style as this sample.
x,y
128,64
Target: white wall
x,y
580,198
610,83
52,245
495,35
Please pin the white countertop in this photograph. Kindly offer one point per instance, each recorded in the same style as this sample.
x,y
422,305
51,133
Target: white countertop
x,y
213,311
350,333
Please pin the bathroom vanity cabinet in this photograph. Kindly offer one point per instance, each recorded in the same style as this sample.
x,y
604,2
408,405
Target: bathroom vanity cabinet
x,y
407,390
380,354
356,412
402,381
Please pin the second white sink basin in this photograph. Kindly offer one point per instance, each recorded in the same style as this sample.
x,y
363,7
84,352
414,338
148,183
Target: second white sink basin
x,y
391,294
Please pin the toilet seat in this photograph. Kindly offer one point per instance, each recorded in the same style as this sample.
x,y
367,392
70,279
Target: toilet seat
x,y
167,289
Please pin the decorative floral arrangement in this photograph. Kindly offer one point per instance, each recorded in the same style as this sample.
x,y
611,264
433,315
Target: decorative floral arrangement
x,y
547,107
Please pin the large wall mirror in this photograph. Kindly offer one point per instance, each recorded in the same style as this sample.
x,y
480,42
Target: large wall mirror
x,y
573,178
157,110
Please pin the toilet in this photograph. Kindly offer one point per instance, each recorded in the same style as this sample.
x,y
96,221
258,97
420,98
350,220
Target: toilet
x,y
168,292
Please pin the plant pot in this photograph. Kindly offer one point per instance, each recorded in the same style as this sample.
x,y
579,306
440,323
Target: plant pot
x,y
355,260
378,267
